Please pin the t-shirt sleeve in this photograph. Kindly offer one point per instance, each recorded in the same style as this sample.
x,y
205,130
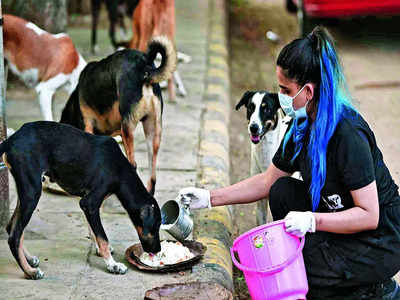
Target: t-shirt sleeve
x,y
354,159
283,162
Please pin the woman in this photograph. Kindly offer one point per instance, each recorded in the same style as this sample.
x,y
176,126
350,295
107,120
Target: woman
x,y
347,199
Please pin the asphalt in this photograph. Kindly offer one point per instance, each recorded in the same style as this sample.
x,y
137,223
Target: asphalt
x,y
194,151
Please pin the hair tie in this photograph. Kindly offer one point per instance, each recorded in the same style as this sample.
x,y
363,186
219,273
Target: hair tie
x,y
314,41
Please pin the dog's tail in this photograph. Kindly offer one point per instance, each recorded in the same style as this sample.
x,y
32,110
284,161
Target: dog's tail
x,y
162,45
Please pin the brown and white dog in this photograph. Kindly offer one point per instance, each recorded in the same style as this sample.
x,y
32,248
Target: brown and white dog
x,y
153,18
43,61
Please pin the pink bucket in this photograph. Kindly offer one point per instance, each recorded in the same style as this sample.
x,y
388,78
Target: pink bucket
x,y
272,262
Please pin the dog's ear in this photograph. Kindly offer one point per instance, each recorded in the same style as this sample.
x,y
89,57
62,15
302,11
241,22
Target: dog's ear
x,y
245,99
275,98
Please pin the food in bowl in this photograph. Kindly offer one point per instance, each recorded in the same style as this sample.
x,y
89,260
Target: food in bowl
x,y
171,253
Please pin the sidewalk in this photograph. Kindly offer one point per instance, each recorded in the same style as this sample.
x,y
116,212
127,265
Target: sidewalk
x,y
58,232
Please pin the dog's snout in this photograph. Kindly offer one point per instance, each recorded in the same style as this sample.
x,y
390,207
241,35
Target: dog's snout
x,y
150,243
253,128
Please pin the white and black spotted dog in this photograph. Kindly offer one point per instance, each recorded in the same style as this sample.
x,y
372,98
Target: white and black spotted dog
x,y
262,113
267,125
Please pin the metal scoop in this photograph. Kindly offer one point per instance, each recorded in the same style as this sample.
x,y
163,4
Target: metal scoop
x,y
176,219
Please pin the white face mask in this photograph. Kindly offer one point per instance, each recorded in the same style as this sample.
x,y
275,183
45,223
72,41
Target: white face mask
x,y
286,103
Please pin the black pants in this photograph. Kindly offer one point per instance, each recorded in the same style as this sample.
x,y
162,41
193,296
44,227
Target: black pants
x,y
342,266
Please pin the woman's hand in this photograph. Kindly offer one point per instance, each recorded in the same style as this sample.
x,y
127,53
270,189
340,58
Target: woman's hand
x,y
195,197
299,223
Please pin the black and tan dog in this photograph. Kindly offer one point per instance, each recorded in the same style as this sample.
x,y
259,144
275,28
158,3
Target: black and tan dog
x,y
89,166
115,94
116,9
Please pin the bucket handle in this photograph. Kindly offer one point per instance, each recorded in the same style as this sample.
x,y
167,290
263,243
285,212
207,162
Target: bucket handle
x,y
273,269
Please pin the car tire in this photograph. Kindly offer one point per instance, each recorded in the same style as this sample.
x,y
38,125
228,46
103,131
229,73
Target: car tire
x,y
306,24
291,7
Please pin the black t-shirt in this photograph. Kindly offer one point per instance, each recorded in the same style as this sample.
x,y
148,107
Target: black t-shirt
x,y
353,161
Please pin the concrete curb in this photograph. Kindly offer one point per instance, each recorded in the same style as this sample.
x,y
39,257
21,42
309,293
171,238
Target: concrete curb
x,y
213,227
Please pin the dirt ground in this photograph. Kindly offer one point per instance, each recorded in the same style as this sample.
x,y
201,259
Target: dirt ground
x,y
369,51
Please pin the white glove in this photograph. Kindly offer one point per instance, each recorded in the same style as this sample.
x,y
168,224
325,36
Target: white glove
x,y
195,197
299,223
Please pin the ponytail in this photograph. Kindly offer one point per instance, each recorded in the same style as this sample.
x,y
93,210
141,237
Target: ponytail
x,y
314,59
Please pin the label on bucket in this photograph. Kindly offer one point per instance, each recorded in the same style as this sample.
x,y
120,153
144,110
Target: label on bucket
x,y
258,241
269,238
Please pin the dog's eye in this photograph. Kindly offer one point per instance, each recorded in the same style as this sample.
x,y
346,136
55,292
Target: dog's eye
x,y
263,105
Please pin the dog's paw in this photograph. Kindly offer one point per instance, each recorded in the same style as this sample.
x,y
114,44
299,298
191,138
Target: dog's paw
x,y
117,268
95,49
33,261
109,247
36,275
182,92
182,57
51,186
123,35
163,84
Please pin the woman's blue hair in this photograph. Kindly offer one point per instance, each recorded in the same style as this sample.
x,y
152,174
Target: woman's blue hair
x,y
314,59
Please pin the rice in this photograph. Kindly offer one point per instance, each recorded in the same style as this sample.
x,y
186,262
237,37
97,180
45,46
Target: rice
x,y
171,253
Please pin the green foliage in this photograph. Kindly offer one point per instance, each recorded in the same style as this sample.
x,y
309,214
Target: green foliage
x,y
240,278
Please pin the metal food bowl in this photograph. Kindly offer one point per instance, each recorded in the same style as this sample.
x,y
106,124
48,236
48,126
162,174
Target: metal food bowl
x,y
134,252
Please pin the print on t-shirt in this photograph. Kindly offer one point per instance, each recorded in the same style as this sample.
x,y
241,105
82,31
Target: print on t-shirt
x,y
333,202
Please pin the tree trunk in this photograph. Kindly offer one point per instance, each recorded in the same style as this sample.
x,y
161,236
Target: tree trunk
x,y
4,197
50,15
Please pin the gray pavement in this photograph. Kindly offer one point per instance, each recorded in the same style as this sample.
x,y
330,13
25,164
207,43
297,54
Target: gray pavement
x,y
58,233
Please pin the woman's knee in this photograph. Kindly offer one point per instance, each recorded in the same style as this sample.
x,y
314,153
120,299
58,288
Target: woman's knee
x,y
288,194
